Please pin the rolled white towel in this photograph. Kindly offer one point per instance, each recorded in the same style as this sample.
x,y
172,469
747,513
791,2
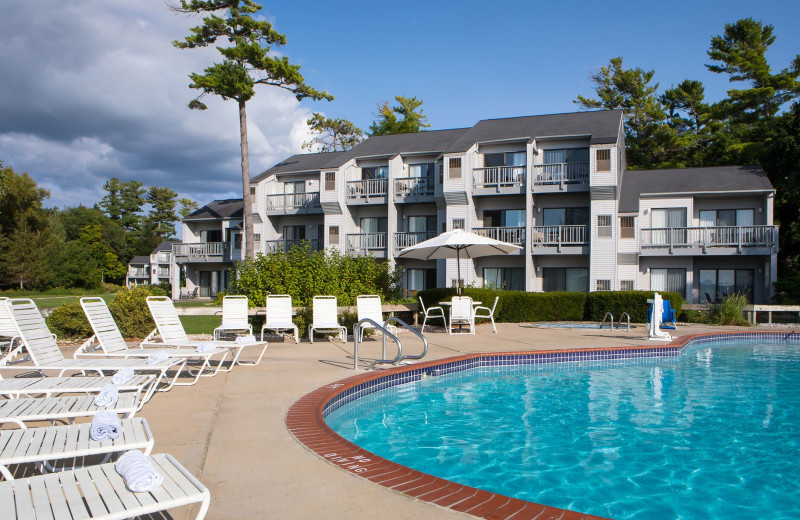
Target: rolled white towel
x,y
206,346
157,357
139,474
105,426
235,325
122,376
244,340
108,395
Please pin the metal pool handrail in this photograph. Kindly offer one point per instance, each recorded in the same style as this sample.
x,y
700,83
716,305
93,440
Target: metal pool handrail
x,y
604,320
416,332
385,334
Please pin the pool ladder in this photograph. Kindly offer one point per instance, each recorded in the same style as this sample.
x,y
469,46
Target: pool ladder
x,y
611,326
386,334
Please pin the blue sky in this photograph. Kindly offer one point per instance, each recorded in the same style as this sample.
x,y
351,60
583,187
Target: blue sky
x,y
94,89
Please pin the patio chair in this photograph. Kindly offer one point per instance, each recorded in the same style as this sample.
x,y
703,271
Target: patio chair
x,y
100,492
234,316
17,387
324,318
279,316
483,313
108,339
461,314
369,306
64,408
172,333
433,313
45,354
8,333
50,443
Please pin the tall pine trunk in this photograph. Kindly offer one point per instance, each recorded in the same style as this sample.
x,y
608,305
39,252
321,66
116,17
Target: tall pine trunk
x,y
248,202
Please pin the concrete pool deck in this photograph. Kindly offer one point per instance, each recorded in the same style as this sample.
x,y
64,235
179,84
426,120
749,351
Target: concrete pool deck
x,y
230,430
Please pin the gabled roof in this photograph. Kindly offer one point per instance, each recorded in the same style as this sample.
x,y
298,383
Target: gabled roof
x,y
166,245
714,179
435,141
218,209
305,162
139,260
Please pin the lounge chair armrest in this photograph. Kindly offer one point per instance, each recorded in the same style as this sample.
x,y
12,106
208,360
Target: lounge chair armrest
x,y
87,347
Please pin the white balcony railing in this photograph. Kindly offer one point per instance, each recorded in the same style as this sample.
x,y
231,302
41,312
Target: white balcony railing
x,y
403,240
513,235
705,237
367,188
564,173
293,200
199,250
137,273
414,186
271,246
366,241
557,236
498,176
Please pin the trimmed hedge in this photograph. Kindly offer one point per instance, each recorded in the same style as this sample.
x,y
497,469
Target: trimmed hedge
x,y
521,306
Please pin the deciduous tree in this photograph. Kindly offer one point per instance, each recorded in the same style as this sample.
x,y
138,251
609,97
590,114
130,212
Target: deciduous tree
x,y
332,135
248,61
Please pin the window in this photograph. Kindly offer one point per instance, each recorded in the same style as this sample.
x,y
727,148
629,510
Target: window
x,y
455,167
440,167
566,164
330,181
420,279
294,232
290,188
374,224
252,190
669,226
626,229
726,217
715,284
565,216
458,223
421,170
602,160
505,278
163,257
374,172
454,282
603,285
565,279
671,280
237,241
504,218
256,238
422,224
627,285
504,159
604,226
333,235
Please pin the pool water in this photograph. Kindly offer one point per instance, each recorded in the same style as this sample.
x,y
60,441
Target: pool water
x,y
713,433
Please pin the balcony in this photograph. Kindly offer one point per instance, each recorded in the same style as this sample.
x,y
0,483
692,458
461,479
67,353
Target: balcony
x,y
414,189
403,240
498,180
199,252
367,191
138,273
560,239
561,177
293,203
272,246
365,243
722,240
512,235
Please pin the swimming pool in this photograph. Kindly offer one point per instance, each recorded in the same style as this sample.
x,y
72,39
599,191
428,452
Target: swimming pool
x,y
713,432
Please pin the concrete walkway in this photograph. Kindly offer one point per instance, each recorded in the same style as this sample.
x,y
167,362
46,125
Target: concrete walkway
x,y
230,431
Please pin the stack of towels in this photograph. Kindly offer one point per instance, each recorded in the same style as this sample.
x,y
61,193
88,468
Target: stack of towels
x,y
157,357
105,426
205,347
108,395
122,376
139,474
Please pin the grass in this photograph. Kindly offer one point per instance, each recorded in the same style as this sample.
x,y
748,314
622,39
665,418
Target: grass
x,y
200,324
47,300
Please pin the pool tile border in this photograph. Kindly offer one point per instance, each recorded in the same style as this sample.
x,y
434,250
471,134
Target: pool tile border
x,y
306,421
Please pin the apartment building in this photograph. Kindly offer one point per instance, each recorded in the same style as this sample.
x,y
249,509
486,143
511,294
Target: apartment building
x,y
554,184
153,269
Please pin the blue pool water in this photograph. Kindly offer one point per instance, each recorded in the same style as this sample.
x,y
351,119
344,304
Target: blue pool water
x,y
713,433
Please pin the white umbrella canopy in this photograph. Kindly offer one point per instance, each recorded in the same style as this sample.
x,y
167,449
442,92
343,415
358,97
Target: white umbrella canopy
x,y
453,243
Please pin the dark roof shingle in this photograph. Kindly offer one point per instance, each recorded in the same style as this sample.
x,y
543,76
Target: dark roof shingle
x,y
225,208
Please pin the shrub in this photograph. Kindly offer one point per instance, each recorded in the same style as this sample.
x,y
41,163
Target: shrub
x,y
129,309
632,302
69,321
730,311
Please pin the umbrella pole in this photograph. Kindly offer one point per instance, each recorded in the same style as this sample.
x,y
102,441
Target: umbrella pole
x,y
458,266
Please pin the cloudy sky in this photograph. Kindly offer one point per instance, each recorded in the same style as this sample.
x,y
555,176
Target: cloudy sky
x,y
94,89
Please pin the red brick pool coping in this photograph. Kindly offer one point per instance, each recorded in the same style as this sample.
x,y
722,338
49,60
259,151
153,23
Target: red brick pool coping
x,y
306,423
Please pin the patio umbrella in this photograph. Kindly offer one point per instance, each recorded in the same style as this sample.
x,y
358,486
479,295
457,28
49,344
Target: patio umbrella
x,y
453,243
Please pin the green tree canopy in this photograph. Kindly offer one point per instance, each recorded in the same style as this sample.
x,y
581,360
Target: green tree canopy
x,y
187,206
247,61
413,120
332,135
162,216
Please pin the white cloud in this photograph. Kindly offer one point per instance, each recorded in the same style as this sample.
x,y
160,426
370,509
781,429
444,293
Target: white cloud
x,y
94,90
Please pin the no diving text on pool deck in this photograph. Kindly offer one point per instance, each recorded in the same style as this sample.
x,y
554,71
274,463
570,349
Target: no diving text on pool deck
x,y
350,463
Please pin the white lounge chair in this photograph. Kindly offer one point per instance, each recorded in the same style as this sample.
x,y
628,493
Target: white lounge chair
x,y
64,408
485,313
279,315
461,314
324,318
8,332
432,313
50,443
369,306
111,343
234,316
100,492
172,334
49,386
45,354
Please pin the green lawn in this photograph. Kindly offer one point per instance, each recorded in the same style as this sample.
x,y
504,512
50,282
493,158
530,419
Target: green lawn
x,y
55,301
201,324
